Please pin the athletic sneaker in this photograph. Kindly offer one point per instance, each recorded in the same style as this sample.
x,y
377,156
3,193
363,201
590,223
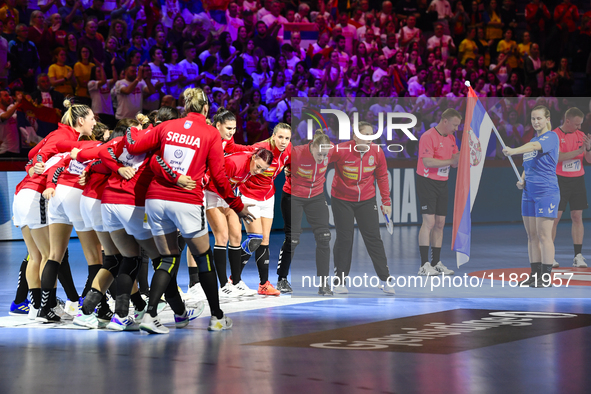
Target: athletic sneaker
x,y
284,286
555,264
47,315
21,309
229,292
182,321
244,290
389,290
341,289
268,289
139,315
428,269
59,310
325,291
72,308
89,321
215,324
152,325
104,320
579,261
32,312
122,324
443,269
194,295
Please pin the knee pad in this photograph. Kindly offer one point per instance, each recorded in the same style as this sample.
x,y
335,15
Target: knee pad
x,y
130,266
204,261
322,237
111,264
181,241
294,240
167,263
252,243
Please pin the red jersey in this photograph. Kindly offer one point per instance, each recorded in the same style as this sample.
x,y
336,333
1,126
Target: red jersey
x,y
262,187
237,168
230,147
531,17
356,174
568,143
39,182
307,177
120,190
432,144
48,147
567,15
189,146
68,171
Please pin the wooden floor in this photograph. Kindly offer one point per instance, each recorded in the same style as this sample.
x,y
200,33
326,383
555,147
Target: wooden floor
x,y
460,340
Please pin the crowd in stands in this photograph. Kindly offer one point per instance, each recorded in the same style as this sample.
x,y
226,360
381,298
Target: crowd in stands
x,y
252,57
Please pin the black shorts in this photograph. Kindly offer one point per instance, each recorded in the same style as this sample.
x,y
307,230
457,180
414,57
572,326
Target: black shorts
x,y
432,196
572,192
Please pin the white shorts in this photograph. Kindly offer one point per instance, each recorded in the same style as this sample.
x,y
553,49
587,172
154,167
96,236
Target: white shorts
x,y
166,217
261,209
213,200
64,208
91,213
129,217
29,208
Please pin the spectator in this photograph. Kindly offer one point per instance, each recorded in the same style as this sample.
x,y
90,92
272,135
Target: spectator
x,y
267,39
227,52
443,41
409,33
302,15
118,30
483,45
9,29
91,40
46,95
349,32
130,92
509,14
4,63
537,17
59,34
213,52
564,79
189,67
509,48
370,21
534,68
99,89
475,14
25,58
233,20
72,9
9,11
96,11
136,45
9,136
82,70
159,70
112,53
523,47
72,49
468,47
126,14
175,81
42,38
61,75
175,35
566,16
492,20
361,60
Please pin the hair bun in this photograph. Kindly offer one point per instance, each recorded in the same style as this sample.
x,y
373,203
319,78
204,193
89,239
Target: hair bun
x,y
319,132
143,119
68,103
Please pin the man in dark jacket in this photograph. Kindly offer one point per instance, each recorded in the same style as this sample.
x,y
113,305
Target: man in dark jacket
x,y
44,95
24,58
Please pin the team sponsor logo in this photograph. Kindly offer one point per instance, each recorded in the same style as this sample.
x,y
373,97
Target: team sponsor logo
x,y
348,168
541,210
322,170
188,124
129,160
369,169
530,155
304,173
446,332
371,160
351,175
269,171
178,153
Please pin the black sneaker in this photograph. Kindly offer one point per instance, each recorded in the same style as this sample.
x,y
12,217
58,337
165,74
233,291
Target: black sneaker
x,y
47,315
325,291
284,286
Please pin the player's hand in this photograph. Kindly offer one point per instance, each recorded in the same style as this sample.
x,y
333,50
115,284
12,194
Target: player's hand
x,y
186,182
74,153
521,184
39,168
83,178
126,172
287,170
387,210
246,215
456,158
587,142
48,193
508,151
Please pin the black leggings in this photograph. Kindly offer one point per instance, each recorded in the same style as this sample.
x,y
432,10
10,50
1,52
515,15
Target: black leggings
x,y
316,210
366,213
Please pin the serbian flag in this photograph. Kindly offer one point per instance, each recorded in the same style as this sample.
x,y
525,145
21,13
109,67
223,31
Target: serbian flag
x,y
477,130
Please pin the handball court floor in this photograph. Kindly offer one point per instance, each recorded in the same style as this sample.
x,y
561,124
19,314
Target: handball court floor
x,y
293,344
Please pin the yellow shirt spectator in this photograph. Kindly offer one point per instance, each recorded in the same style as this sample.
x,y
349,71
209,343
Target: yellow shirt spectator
x,y
7,12
468,50
82,74
56,72
509,47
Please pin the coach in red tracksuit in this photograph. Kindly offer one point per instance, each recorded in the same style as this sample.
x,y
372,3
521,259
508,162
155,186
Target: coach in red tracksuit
x,y
354,198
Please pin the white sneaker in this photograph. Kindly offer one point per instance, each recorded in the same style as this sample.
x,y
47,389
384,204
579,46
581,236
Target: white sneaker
x,y
152,325
389,290
428,270
182,321
443,269
139,315
88,321
229,292
122,324
72,308
215,324
244,290
32,312
341,289
59,310
194,295
579,261
555,264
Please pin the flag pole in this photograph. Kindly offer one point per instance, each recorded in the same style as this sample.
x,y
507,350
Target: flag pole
x,y
502,144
